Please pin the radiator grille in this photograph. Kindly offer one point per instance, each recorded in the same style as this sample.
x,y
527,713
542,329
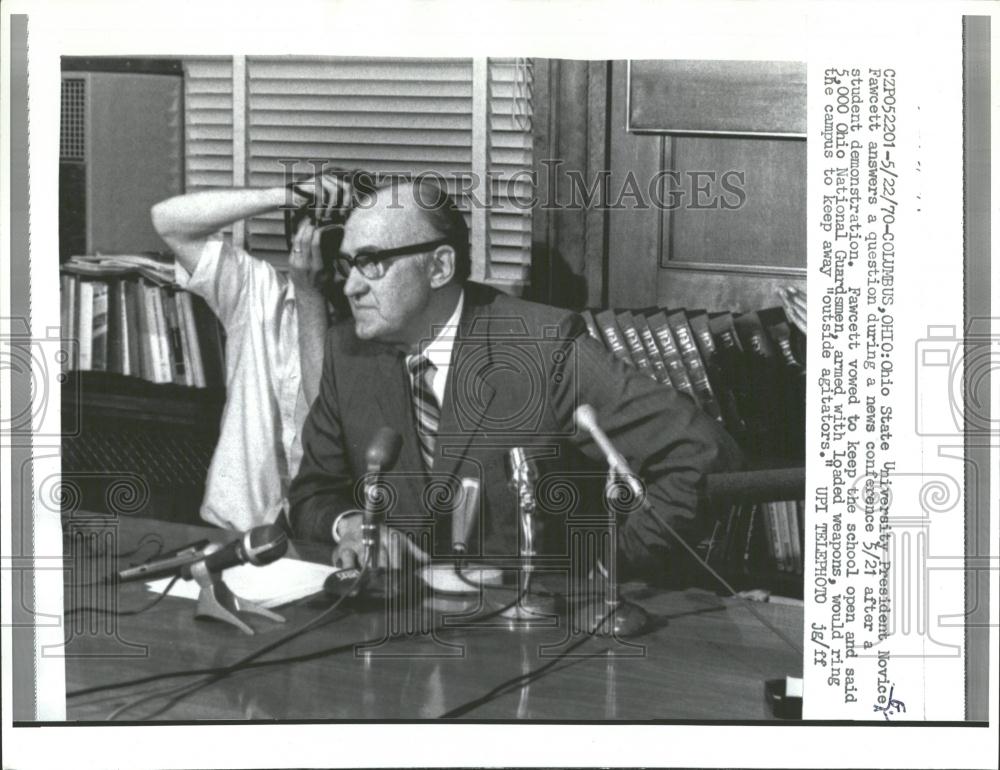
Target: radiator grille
x,y
72,126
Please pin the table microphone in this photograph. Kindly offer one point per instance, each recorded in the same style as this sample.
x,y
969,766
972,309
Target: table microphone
x,y
380,456
258,546
465,515
586,419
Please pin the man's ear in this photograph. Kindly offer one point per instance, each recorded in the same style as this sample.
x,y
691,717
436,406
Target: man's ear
x,y
442,266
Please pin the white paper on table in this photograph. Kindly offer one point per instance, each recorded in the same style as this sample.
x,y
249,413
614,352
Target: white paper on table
x,y
272,585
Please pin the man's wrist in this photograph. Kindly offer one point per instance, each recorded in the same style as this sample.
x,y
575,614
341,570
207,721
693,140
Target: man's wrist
x,y
335,530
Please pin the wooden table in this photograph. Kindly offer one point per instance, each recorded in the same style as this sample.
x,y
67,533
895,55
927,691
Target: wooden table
x,y
706,658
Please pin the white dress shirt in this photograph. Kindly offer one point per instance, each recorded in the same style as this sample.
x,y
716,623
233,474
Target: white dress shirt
x,y
439,351
260,442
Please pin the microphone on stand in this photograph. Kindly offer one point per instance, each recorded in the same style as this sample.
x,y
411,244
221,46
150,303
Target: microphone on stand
x,y
465,516
523,475
258,546
627,619
380,456
586,420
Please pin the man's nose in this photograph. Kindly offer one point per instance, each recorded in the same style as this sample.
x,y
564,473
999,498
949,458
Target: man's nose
x,y
356,285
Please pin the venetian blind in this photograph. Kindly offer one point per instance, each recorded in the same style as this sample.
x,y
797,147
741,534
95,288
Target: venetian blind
x,y
386,115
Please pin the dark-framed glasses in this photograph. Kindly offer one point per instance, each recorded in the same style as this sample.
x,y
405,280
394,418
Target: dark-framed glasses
x,y
373,263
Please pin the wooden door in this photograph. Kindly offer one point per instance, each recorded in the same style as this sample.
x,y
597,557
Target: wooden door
x,y
698,216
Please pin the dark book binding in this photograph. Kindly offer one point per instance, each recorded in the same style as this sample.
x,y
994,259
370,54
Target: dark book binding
x,y
211,341
652,350
636,349
613,338
671,355
691,357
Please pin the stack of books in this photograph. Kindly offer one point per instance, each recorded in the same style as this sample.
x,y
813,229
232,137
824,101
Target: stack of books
x,y
741,369
754,539
128,317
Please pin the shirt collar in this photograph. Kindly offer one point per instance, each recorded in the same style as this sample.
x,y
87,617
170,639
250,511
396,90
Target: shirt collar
x,y
439,350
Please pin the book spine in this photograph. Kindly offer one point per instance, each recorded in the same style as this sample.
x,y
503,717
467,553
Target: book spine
x,y
147,331
68,318
178,367
653,351
592,330
784,534
127,331
732,535
185,343
134,325
671,355
636,349
771,522
99,352
165,357
612,335
794,537
85,326
692,362
154,332
732,369
748,541
211,342
190,331
781,335
115,329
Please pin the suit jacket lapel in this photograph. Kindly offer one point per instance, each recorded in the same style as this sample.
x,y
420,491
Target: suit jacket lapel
x,y
468,394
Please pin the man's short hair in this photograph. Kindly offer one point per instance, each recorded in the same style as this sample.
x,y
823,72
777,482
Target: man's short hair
x,y
442,213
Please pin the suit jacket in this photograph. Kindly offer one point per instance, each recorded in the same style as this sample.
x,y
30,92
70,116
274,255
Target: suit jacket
x,y
518,372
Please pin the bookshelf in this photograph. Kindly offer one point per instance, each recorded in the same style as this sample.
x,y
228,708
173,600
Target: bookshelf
x,y
141,407
745,370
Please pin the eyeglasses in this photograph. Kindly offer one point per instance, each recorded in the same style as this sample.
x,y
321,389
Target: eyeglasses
x,y
373,263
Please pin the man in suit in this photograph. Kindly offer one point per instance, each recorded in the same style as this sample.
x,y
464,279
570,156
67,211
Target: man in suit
x,y
464,373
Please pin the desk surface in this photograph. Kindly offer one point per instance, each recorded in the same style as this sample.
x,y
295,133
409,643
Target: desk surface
x,y
706,658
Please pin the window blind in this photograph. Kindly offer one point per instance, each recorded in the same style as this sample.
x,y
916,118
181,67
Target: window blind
x,y
390,115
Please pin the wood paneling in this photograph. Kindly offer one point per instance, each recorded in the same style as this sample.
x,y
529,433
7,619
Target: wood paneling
x,y
698,96
765,227
719,249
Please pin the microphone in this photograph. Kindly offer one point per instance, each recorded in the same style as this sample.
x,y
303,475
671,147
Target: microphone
x,y
465,515
380,455
258,546
586,419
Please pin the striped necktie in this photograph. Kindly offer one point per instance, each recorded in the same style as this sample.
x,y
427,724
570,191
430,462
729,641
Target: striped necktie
x,y
426,410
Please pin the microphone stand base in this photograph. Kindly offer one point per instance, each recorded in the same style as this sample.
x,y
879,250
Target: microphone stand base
x,y
532,612
217,602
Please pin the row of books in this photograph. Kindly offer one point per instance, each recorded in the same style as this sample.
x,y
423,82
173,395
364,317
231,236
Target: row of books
x,y
758,538
132,325
741,369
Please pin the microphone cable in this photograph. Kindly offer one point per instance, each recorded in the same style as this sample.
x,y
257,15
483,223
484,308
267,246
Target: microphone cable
x,y
188,688
665,526
523,680
123,613
249,661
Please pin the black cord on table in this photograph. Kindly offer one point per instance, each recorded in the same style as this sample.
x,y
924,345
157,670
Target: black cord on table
x,y
122,613
241,663
665,526
248,663
523,680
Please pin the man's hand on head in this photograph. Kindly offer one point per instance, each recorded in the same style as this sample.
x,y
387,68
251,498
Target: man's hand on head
x,y
328,194
350,552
